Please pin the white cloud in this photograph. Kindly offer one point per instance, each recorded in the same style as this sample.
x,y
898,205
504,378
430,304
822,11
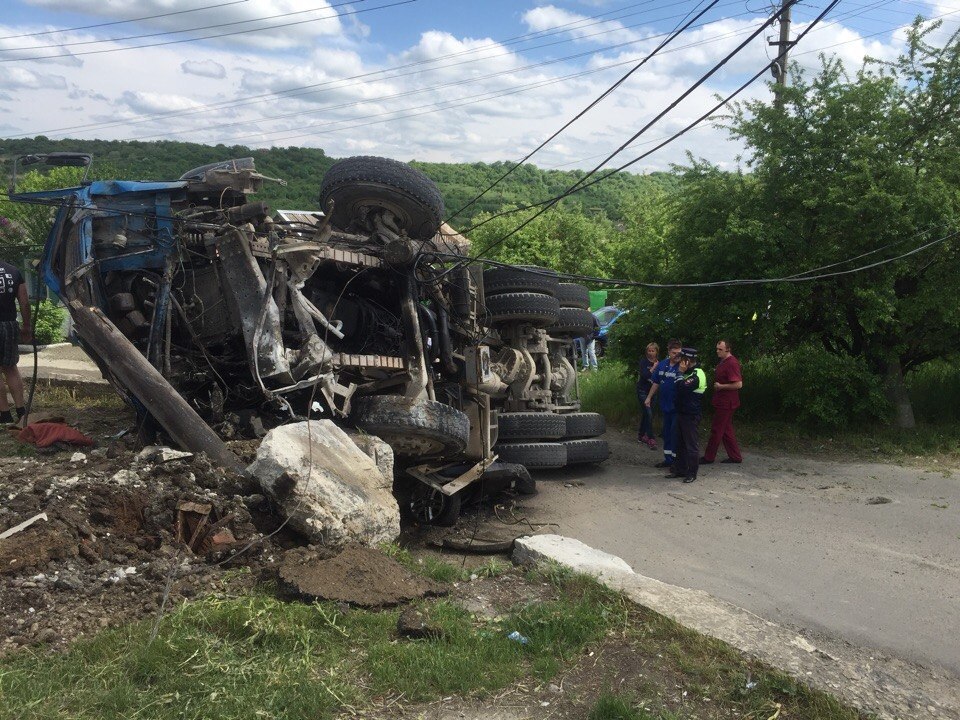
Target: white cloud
x,y
18,78
204,68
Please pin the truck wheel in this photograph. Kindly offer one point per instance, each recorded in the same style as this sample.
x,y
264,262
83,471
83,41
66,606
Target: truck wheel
x,y
534,308
429,506
500,280
413,428
533,456
358,184
530,426
573,322
572,295
584,425
581,452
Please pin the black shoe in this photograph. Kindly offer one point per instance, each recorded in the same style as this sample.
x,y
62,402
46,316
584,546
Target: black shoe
x,y
663,464
704,461
730,460
673,476
689,478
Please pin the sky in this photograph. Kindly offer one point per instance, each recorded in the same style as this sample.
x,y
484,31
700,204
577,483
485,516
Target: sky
x,y
430,80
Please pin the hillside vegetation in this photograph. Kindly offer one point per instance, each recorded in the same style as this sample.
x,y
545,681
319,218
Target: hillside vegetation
x,y
303,168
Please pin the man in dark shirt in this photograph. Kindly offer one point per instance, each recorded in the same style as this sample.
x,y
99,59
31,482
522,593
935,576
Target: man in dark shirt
x,y
728,379
12,289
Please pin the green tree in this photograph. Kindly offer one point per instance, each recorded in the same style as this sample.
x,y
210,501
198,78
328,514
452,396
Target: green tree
x,y
864,167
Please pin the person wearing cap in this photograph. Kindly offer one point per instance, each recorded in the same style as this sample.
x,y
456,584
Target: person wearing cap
x,y
689,392
663,382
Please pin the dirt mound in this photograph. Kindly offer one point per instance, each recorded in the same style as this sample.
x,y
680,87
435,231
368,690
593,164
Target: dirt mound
x,y
358,576
115,531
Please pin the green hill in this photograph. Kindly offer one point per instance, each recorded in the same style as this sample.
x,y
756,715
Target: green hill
x,y
303,169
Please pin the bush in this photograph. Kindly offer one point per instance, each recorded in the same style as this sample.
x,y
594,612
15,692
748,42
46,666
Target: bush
x,y
934,389
611,391
49,323
813,389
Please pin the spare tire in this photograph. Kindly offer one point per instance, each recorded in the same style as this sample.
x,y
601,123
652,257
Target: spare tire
x,y
534,308
530,426
572,322
500,280
413,428
359,183
571,295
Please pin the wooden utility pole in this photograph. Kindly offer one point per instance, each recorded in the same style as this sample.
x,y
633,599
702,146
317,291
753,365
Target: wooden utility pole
x,y
783,44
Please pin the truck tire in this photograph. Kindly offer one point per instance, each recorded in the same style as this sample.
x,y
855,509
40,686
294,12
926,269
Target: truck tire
x,y
582,452
584,425
530,426
536,309
500,280
361,182
429,506
571,295
572,322
413,428
533,456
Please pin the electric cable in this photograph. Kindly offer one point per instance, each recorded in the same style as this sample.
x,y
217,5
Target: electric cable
x,y
329,6
673,35
208,37
578,185
737,282
309,89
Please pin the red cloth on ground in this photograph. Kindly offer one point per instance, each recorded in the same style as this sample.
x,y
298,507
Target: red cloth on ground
x,y
45,434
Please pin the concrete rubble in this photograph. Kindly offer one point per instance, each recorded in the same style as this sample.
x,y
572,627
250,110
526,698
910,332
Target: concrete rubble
x,y
329,489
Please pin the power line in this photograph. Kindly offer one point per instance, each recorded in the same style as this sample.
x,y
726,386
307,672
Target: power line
x,y
431,88
178,32
791,279
576,186
312,88
587,109
122,22
430,108
216,35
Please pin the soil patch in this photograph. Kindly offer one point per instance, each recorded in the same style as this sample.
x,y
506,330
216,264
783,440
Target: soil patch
x,y
357,576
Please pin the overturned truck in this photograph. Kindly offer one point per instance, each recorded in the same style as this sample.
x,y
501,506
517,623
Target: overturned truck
x,y
209,312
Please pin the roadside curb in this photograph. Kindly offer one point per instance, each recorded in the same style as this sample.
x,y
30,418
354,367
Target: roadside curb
x,y
28,349
885,686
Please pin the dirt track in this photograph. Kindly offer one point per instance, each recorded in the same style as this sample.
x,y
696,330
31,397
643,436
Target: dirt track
x,y
798,541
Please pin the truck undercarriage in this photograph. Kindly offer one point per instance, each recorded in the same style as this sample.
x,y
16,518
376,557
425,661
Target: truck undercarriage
x,y
212,316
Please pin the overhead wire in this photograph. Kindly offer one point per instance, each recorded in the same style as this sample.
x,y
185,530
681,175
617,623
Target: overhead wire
x,y
362,78
686,93
327,6
123,22
682,27
208,37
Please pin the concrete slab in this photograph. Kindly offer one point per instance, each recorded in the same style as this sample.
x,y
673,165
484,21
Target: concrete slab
x,y
889,688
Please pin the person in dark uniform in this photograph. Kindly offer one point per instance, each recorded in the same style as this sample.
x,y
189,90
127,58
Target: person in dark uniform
x,y
12,290
689,393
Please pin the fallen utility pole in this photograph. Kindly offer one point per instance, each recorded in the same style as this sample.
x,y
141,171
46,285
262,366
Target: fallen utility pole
x,y
149,386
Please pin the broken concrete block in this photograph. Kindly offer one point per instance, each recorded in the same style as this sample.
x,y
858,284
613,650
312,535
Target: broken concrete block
x,y
330,490
568,552
377,449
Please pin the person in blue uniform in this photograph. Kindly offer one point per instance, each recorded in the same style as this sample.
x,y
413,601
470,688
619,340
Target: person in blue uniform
x,y
663,382
689,388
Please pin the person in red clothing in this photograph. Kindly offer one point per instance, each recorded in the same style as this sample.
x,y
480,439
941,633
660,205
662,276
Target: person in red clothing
x,y
728,379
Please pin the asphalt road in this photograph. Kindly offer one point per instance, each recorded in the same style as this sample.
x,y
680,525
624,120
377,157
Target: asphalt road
x,y
797,541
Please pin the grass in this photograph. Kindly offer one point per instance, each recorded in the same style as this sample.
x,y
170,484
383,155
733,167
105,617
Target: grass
x,y
611,391
256,656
